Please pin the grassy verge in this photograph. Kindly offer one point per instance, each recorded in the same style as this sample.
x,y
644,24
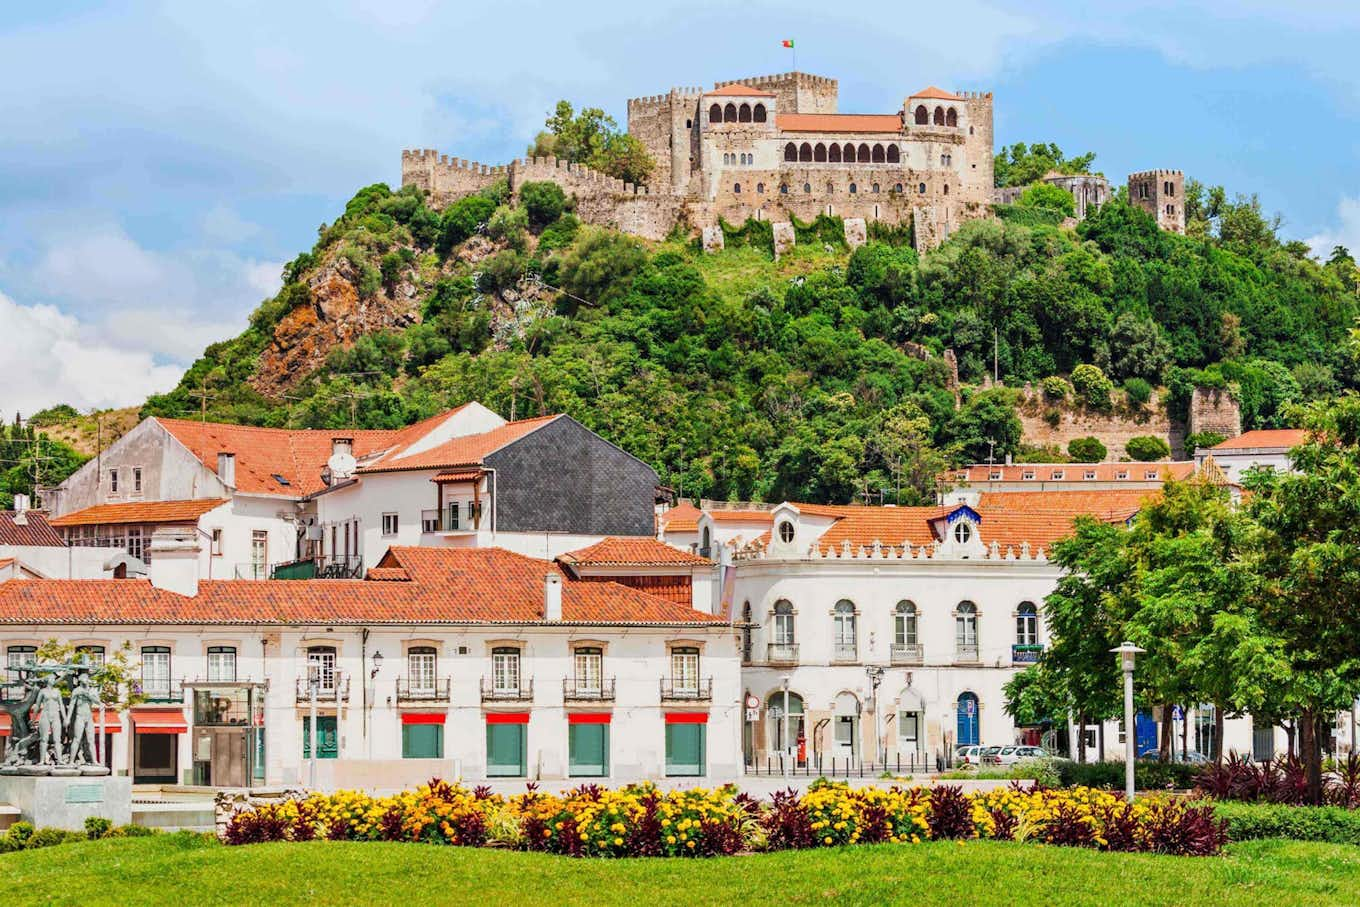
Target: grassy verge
x,y
183,870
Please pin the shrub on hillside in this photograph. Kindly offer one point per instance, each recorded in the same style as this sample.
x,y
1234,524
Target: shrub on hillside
x,y
560,234
1202,440
543,202
1147,448
1086,450
501,271
1092,387
508,225
1138,391
1056,388
462,219
1046,195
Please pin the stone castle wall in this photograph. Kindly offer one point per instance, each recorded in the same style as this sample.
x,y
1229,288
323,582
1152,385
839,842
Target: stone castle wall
x,y
446,179
1214,410
795,92
1114,429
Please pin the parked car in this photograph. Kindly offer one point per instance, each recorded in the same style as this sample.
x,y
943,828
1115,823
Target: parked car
x,y
968,755
1009,755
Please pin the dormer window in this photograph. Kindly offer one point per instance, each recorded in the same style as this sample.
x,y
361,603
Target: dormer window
x,y
1122,474
1089,475
1027,475
1058,475
1151,474
994,475
963,532
786,532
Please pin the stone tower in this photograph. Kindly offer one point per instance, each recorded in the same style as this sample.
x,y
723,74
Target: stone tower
x,y
668,127
1160,193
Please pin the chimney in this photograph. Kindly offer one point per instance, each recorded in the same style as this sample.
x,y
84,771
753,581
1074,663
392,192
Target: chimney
x,y
226,468
552,596
174,560
20,509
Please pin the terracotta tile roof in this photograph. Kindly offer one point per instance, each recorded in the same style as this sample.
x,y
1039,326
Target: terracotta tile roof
x,y
140,512
838,122
683,517
459,475
741,516
35,532
937,94
736,89
443,585
1265,438
1074,473
1114,502
468,450
632,551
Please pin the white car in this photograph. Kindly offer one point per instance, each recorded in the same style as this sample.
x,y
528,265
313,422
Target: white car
x,y
968,755
1009,755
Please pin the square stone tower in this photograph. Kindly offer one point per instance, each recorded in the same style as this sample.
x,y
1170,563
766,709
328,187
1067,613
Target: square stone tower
x,y
1160,193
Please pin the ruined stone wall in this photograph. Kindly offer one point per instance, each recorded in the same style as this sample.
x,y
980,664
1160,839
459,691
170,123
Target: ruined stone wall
x,y
1114,429
795,92
1214,410
601,199
446,179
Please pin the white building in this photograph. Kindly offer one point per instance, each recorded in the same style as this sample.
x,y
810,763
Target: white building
x,y
473,664
30,546
968,482
1263,448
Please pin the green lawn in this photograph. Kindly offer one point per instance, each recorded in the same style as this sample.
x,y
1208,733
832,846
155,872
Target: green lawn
x,y
190,871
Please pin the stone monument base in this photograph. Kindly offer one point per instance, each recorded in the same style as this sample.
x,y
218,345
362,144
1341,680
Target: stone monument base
x,y
67,801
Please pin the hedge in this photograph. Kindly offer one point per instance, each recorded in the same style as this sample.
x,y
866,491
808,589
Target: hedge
x,y
1332,824
1110,775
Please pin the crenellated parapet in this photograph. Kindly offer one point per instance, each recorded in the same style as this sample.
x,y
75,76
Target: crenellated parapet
x,y
878,551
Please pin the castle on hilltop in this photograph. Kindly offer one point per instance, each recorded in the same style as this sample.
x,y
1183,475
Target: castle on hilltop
x,y
776,148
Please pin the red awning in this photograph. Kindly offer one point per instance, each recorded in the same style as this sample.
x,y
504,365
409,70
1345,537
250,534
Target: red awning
x,y
4,724
458,475
687,717
159,721
588,717
423,717
507,717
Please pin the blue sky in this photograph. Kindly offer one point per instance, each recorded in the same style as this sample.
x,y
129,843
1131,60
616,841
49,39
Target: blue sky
x,y
160,161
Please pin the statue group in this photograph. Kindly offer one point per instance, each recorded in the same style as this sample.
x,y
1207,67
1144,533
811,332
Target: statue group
x,y
52,732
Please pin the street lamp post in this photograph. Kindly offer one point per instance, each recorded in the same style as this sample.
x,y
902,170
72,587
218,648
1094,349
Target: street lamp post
x,y
1127,652
875,678
784,720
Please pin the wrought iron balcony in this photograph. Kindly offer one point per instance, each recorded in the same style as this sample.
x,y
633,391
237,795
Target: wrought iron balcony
x,y
686,690
845,653
161,690
13,692
436,690
782,653
577,689
523,692
1026,654
334,688
911,653
966,653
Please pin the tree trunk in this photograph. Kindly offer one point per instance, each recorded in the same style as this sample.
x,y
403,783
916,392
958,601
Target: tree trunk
x,y
1100,741
1289,727
1311,754
1218,733
1081,736
1168,734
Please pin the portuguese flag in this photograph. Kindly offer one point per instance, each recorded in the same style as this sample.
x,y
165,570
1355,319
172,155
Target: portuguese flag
x,y
786,43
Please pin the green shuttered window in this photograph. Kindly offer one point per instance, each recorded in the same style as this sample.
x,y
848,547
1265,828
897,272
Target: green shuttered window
x,y
588,750
422,741
685,749
505,750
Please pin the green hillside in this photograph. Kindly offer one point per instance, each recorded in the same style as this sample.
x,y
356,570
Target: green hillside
x,y
740,377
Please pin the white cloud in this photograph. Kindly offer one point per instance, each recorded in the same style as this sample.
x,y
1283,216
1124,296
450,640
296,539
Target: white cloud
x,y
225,225
1346,231
49,357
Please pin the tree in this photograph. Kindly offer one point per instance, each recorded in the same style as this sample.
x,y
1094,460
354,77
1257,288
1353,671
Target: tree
x,y
1021,164
986,426
1047,195
544,202
625,158
1147,448
1137,349
592,137
904,440
1304,555
1036,696
1092,386
1086,450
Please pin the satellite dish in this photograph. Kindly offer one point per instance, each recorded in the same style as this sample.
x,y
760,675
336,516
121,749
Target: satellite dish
x,y
341,464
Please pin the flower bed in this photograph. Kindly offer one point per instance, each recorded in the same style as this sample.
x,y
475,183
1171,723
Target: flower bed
x,y
1280,781
640,820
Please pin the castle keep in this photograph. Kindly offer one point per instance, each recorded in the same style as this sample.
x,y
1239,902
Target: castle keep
x,y
776,147
770,148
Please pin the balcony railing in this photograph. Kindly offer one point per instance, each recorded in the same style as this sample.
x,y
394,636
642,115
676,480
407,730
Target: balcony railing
x,y
845,652
575,689
966,652
336,690
13,692
782,653
1026,654
684,690
436,690
524,692
908,653
161,690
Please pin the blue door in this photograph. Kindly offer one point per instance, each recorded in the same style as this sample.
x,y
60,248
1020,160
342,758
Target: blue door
x,y
968,720
1144,733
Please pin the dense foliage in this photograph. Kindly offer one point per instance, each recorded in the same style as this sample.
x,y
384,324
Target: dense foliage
x,y
29,458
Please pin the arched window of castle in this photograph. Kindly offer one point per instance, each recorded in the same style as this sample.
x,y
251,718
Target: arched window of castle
x,y
744,113
730,113
894,154
760,188
951,118
864,154
833,154
689,124
715,114
830,188
921,189
819,153
879,155
736,188
970,130
807,188
805,152
922,116
783,188
946,188
853,189
849,154
758,114
876,187
727,159
898,188
939,116
745,159
790,152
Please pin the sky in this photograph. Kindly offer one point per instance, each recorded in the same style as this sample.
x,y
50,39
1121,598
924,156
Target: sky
x,y
160,161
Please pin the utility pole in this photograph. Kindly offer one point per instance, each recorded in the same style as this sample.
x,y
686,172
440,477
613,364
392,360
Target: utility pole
x,y
996,354
991,451
203,396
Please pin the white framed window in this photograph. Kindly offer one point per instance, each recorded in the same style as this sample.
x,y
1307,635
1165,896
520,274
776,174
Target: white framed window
x,y
217,542
1027,475
1122,474
1027,624
786,531
1090,474
420,666
113,481
963,532
843,630
1058,475
966,626
429,521
156,671
259,548
685,669
91,655
783,623
389,524
1150,475
453,516
221,663
994,475
904,624
588,667
505,670
136,480
18,656
321,667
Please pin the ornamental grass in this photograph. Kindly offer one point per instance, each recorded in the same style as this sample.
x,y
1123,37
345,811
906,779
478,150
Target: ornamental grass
x,y
644,821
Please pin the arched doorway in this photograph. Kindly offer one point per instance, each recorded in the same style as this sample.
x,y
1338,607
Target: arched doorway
x,y
845,727
967,720
775,729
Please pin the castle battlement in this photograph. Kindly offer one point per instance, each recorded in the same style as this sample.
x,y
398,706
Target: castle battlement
x,y
799,78
656,100
974,95
1146,174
